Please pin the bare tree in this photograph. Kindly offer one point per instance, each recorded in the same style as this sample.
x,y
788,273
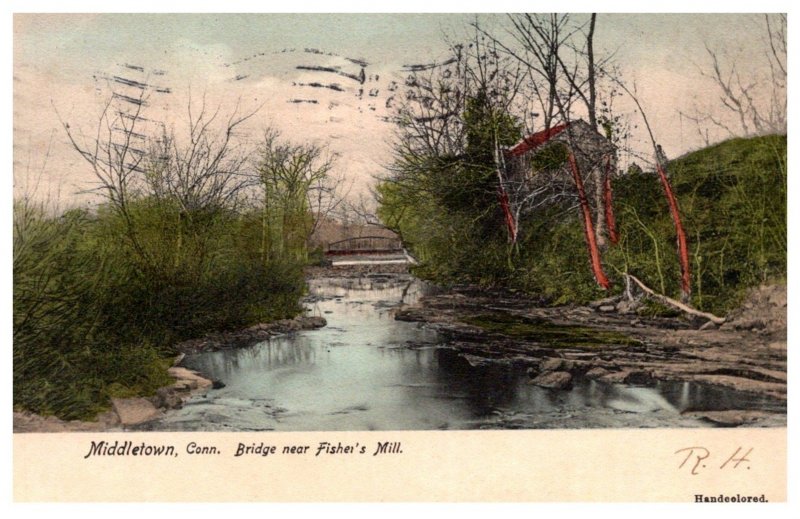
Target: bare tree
x,y
204,170
298,191
558,54
452,110
115,161
672,201
135,158
116,152
560,61
430,118
751,96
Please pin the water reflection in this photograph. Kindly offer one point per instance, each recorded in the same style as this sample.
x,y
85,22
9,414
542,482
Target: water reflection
x,y
359,373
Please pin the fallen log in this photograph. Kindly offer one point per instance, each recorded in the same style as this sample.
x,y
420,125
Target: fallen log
x,y
673,303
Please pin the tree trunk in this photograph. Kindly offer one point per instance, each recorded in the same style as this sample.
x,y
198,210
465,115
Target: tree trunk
x,y
671,302
683,249
594,252
502,194
510,222
592,81
600,208
608,197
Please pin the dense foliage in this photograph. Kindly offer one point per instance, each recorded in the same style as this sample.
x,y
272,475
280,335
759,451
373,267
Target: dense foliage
x,y
445,207
96,314
732,197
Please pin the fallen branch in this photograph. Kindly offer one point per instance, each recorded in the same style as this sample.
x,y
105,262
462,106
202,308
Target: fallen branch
x,y
672,302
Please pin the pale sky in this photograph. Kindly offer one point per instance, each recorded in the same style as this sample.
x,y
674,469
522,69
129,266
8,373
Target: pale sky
x,y
255,57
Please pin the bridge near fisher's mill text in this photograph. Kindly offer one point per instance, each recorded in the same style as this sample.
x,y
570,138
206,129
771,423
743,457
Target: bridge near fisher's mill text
x,y
367,250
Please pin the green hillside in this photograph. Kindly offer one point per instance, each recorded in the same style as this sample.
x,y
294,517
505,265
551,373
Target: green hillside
x,y
732,197
733,200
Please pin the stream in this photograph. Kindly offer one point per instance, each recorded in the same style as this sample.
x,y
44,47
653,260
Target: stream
x,y
367,371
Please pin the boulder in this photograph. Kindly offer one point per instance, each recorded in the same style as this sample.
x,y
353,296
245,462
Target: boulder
x,y
730,418
750,324
168,398
188,379
108,419
596,372
614,377
627,307
639,378
606,308
551,364
553,380
779,346
133,411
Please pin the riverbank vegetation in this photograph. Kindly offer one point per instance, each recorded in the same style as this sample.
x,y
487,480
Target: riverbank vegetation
x,y
195,234
732,197
453,198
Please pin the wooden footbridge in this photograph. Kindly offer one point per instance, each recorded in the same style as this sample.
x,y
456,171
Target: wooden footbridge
x,y
368,249
365,245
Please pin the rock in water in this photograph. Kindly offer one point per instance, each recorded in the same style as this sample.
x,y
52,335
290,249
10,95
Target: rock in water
x,y
313,321
189,380
596,372
551,364
731,418
167,398
553,380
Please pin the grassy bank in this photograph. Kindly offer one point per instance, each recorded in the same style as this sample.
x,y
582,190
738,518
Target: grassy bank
x,y
100,297
733,200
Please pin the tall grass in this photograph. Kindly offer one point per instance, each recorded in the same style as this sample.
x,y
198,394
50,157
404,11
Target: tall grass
x,y
97,309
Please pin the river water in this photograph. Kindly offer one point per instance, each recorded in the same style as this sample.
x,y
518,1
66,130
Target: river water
x,y
366,371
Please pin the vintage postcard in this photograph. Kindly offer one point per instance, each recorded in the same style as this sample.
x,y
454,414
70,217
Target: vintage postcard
x,y
410,257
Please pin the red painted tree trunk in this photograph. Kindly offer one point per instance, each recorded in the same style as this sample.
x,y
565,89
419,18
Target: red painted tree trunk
x,y
608,196
683,249
510,223
588,228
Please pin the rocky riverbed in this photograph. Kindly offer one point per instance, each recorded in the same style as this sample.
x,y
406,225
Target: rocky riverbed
x,y
250,335
609,342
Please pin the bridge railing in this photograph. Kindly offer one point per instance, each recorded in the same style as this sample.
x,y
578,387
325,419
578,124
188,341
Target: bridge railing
x,y
365,245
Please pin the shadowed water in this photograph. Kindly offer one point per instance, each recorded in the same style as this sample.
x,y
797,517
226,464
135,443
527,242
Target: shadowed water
x,y
366,371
